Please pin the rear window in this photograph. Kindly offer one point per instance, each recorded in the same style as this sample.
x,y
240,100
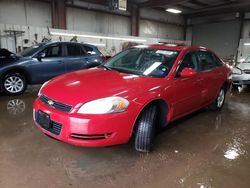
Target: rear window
x,y
90,50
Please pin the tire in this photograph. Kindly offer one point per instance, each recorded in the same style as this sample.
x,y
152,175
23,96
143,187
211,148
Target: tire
x,y
217,105
235,87
14,84
145,130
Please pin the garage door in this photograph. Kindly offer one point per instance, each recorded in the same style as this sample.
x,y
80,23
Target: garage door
x,y
221,37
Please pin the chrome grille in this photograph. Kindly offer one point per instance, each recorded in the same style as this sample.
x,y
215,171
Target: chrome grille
x,y
54,104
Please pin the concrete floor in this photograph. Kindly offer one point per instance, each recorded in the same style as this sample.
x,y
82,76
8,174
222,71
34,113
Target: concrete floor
x,y
206,149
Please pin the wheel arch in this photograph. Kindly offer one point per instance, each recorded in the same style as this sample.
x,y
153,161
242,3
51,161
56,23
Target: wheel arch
x,y
162,113
226,85
17,70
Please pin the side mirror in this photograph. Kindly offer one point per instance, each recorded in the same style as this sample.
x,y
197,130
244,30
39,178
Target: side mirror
x,y
40,56
188,72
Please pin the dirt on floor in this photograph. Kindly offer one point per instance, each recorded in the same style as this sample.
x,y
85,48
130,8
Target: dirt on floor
x,y
205,150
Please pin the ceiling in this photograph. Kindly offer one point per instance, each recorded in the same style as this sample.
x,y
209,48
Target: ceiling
x,y
191,8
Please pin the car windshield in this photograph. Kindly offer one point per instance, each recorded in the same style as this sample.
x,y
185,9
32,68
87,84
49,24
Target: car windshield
x,y
143,61
31,50
247,60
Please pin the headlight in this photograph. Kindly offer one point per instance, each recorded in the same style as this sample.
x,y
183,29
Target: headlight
x,y
39,93
104,106
236,70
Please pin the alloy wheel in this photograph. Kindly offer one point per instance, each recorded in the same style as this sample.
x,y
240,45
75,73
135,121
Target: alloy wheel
x,y
221,98
13,84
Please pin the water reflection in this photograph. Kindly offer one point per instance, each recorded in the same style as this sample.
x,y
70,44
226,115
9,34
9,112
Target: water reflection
x,y
15,106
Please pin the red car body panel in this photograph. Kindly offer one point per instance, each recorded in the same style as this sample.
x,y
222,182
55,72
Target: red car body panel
x,y
182,96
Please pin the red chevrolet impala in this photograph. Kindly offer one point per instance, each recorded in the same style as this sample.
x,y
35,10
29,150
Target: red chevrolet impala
x,y
134,93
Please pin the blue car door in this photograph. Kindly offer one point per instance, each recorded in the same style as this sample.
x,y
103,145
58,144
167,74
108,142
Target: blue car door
x,y
76,58
48,63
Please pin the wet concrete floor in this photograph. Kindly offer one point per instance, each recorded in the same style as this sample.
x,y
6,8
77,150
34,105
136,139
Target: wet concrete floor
x,y
204,150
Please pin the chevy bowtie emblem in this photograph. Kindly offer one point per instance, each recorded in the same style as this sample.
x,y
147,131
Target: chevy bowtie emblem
x,y
50,102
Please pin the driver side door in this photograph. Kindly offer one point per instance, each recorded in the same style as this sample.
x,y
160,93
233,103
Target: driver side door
x,y
48,64
187,90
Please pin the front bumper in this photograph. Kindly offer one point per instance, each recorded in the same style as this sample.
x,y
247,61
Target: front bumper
x,y
241,79
87,130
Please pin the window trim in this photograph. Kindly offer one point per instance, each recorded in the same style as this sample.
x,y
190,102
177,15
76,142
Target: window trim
x,y
49,46
208,70
180,62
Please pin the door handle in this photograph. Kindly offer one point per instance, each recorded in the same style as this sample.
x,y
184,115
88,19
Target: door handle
x,y
86,60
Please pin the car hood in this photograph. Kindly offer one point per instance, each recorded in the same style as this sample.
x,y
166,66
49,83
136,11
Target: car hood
x,y
86,85
244,66
9,61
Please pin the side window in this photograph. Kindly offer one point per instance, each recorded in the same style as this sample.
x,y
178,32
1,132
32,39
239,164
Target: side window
x,y
74,50
217,60
206,61
90,50
189,61
53,51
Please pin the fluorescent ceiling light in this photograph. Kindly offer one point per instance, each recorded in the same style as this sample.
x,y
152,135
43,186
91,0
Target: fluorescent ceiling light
x,y
98,37
246,44
175,11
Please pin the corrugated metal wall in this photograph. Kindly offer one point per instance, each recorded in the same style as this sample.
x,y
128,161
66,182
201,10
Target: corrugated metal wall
x,y
155,24
21,12
91,21
222,37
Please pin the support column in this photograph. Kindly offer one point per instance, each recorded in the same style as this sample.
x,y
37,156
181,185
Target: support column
x,y
135,18
58,14
241,19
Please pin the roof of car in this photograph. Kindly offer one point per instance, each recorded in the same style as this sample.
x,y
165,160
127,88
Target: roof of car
x,y
54,42
170,47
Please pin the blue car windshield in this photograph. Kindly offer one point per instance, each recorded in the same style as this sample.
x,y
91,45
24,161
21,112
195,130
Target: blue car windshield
x,y
143,61
31,50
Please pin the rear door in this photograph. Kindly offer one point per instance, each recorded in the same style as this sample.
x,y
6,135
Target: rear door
x,y
49,65
94,56
212,76
187,90
75,58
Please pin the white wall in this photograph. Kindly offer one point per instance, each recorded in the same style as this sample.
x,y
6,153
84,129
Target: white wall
x,y
162,16
91,21
160,30
160,24
33,13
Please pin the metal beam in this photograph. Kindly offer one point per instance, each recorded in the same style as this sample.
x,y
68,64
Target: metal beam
x,y
135,18
199,3
184,7
160,3
58,12
220,10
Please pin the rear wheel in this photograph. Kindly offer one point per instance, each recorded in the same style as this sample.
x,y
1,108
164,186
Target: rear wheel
x,y
220,100
145,131
14,84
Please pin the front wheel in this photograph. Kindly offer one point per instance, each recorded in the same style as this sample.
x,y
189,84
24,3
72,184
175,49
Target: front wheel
x,y
14,84
145,131
220,100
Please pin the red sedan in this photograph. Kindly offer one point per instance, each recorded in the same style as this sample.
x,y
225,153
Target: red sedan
x,y
134,93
